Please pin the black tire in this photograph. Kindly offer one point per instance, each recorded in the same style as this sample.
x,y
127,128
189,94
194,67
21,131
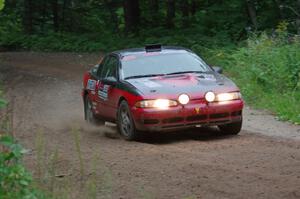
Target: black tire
x,y
125,122
231,128
89,115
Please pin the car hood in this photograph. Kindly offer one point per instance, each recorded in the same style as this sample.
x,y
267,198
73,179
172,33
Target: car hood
x,y
171,86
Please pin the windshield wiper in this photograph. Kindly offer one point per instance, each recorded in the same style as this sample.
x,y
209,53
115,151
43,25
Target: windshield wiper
x,y
141,76
183,72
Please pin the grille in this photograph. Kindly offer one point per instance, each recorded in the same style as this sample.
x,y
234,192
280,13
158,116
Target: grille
x,y
173,120
219,115
196,117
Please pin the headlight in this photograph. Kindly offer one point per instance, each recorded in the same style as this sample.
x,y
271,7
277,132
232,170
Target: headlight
x,y
183,99
228,96
210,96
222,97
158,103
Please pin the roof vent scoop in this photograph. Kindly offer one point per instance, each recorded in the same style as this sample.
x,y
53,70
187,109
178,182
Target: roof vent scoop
x,y
153,48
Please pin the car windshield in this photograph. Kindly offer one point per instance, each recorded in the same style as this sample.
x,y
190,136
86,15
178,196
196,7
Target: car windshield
x,y
152,64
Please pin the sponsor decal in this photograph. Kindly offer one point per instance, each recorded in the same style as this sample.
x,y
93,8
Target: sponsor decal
x,y
103,92
91,84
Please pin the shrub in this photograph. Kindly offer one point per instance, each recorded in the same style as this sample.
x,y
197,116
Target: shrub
x,y
15,181
267,70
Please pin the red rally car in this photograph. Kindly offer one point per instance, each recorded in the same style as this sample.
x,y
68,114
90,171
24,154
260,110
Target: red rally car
x,y
160,88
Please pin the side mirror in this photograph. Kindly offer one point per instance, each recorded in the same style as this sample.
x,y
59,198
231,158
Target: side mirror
x,y
95,69
218,69
112,81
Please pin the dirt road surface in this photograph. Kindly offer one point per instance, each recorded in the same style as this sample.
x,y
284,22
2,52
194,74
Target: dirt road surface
x,y
74,160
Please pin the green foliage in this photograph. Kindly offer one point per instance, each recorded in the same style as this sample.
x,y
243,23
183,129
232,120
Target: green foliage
x,y
100,25
268,72
2,3
92,42
15,181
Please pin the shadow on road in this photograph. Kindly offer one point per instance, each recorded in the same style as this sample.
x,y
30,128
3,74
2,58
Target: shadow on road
x,y
198,134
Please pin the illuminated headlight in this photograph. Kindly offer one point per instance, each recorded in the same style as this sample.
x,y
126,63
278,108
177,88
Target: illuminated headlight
x,y
222,97
158,103
210,96
228,96
183,99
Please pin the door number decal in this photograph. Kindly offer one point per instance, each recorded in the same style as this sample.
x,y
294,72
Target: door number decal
x,y
103,92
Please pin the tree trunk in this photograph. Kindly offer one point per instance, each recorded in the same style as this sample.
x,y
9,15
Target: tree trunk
x,y
63,15
11,4
277,4
298,17
185,13
170,13
153,13
55,15
43,15
111,6
194,7
132,15
154,5
252,12
27,17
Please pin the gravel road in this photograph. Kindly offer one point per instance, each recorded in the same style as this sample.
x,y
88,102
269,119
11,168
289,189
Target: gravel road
x,y
262,162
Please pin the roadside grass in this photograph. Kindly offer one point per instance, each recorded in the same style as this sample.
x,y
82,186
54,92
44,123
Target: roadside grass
x,y
48,181
15,180
143,193
76,137
267,70
78,180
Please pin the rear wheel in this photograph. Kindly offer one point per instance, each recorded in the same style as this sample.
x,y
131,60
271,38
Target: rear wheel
x,y
125,122
89,115
231,128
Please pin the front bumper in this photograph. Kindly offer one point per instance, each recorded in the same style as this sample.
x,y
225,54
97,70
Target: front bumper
x,y
197,112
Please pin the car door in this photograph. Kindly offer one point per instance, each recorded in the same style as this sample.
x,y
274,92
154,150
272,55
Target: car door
x,y
106,94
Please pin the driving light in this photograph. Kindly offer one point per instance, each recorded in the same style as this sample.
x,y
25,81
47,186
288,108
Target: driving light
x,y
158,103
210,96
228,96
183,99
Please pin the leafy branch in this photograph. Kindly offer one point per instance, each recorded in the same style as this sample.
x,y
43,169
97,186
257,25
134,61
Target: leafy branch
x,y
2,3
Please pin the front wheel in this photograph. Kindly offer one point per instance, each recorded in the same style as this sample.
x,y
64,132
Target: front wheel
x,y
125,122
231,128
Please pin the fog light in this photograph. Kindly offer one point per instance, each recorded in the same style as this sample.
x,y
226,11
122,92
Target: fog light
x,y
183,99
210,96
